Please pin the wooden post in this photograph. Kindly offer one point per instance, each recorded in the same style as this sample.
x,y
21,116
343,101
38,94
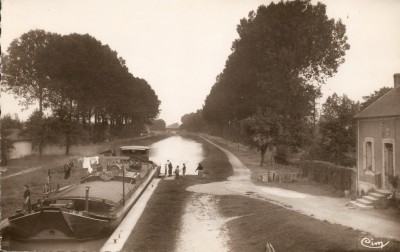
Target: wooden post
x,y
123,185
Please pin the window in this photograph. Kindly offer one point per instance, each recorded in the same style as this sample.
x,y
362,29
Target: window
x,y
369,155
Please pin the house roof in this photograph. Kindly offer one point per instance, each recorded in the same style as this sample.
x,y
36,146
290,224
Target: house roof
x,y
387,105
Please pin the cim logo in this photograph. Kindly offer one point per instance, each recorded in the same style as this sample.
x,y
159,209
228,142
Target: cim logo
x,y
370,243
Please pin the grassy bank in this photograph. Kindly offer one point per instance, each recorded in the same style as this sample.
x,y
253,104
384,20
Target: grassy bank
x,y
287,230
159,225
12,188
251,158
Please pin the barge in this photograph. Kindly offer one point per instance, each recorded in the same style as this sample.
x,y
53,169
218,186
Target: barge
x,y
92,207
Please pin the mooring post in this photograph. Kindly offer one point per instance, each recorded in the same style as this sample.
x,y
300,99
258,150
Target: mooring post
x,y
87,199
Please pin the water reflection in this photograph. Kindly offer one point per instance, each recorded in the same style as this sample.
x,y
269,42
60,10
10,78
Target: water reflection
x,y
178,150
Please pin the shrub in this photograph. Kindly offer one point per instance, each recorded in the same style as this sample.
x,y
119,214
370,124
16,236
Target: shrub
x,y
326,173
281,154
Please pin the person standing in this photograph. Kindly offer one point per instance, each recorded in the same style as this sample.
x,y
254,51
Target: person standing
x,y
201,171
165,170
169,168
46,190
27,199
177,170
183,170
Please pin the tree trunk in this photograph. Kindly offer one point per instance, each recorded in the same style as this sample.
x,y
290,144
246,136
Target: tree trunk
x,y
68,130
41,117
263,149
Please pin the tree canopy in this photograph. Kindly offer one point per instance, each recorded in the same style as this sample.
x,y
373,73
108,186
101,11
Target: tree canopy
x,y
84,83
193,122
284,52
338,130
22,68
158,125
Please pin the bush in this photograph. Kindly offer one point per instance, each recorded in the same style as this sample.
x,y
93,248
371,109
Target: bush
x,y
281,154
326,173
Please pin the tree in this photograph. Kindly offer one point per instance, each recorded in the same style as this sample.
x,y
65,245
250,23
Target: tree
x,y
41,129
284,52
193,122
23,70
263,130
81,82
23,73
8,123
371,98
107,90
158,125
338,129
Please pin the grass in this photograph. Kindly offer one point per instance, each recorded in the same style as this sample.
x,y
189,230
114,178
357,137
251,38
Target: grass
x,y
159,226
286,230
12,188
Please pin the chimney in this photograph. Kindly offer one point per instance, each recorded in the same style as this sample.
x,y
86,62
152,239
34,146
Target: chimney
x,y
396,80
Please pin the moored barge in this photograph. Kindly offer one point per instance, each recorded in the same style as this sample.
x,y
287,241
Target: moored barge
x,y
92,207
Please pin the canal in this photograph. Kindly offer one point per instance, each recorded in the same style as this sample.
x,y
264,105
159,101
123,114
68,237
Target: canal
x,y
176,149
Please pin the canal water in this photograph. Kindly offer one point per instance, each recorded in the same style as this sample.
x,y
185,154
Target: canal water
x,y
177,149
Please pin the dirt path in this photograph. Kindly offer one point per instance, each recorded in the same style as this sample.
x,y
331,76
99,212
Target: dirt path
x,y
333,210
24,172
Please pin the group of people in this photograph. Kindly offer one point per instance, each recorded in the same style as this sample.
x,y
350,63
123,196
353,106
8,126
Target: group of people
x,y
169,168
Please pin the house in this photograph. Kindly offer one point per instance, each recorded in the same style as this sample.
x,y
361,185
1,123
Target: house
x,y
378,147
22,145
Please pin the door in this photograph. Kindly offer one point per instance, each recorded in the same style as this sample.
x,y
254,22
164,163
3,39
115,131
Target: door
x,y
388,161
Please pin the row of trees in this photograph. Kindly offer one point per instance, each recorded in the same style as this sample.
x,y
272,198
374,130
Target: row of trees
x,y
266,95
80,86
332,139
284,53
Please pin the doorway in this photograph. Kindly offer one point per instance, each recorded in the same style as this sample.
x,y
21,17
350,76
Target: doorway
x,y
388,163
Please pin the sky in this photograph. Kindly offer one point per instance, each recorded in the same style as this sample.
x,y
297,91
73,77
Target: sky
x,y
180,46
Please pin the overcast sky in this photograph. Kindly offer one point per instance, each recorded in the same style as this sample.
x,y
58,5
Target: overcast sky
x,y
180,46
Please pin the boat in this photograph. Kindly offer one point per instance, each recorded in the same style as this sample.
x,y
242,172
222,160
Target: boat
x,y
92,207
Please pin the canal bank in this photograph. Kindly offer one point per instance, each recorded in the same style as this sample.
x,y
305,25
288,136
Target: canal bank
x,y
174,216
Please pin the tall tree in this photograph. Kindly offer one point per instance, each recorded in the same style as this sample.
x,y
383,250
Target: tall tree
x,y
23,73
284,52
23,70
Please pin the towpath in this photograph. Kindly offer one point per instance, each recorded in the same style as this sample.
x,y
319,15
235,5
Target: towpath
x,y
23,172
330,209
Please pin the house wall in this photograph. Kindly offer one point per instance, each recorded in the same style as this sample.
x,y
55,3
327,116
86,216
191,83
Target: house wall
x,y
378,130
21,149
